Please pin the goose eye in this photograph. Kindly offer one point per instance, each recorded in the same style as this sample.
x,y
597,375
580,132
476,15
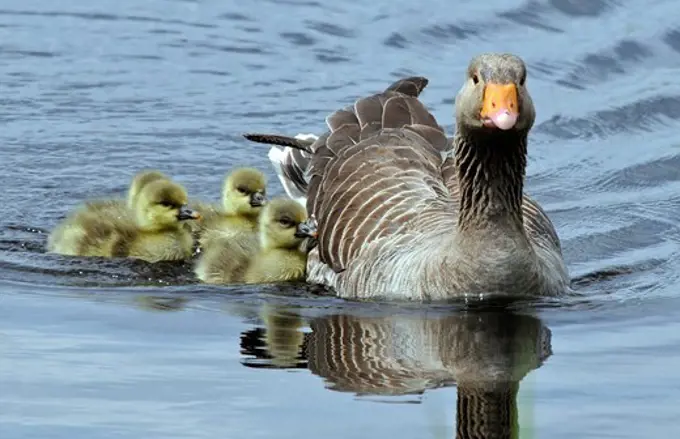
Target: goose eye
x,y
523,80
475,79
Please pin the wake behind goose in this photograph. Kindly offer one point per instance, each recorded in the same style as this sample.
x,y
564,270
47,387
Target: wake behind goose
x,y
404,213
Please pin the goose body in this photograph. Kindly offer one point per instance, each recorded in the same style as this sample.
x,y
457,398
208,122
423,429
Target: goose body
x,y
153,231
404,212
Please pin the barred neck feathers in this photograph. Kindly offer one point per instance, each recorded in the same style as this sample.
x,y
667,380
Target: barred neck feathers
x,y
491,169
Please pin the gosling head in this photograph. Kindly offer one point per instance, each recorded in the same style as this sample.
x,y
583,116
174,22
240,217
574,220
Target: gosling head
x,y
284,224
141,179
245,192
162,204
494,97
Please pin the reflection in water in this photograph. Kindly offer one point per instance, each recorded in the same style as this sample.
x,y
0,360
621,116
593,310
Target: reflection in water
x,y
280,345
486,353
161,303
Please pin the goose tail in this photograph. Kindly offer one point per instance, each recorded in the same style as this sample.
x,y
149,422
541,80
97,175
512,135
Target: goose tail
x,y
291,155
290,158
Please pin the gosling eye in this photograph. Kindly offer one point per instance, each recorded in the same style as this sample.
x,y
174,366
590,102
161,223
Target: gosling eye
x,y
167,204
286,223
242,190
475,79
523,80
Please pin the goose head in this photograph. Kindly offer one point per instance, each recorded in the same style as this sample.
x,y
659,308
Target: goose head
x,y
244,192
141,179
494,97
284,224
162,204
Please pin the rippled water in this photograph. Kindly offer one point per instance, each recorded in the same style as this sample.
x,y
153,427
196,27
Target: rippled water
x,y
92,92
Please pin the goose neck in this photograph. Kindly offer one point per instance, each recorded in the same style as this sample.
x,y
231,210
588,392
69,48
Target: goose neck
x,y
491,169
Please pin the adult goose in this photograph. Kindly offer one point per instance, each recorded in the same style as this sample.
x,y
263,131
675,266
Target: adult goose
x,y
405,213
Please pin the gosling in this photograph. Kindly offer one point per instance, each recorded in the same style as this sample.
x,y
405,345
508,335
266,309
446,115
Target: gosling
x,y
277,255
139,181
118,207
243,196
153,231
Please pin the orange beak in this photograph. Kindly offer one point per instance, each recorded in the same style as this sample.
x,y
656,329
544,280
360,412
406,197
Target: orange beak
x,y
499,107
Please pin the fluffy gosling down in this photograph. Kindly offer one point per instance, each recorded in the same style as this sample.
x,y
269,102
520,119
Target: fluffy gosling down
x,y
243,196
279,255
139,181
152,231
120,207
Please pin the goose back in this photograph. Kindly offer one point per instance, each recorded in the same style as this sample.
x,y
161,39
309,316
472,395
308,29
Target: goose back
x,y
377,193
372,179
292,163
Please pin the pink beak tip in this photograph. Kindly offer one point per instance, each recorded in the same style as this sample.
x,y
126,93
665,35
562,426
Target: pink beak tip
x,y
504,119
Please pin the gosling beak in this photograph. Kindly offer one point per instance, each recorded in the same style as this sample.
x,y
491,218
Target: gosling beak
x,y
187,214
306,229
257,199
499,107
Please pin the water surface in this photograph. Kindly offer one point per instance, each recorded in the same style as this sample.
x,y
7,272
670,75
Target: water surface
x,y
105,349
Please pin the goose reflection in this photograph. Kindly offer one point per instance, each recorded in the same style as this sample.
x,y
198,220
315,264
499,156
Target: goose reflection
x,y
485,353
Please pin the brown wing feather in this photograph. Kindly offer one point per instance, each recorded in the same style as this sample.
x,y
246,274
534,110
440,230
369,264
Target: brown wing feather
x,y
537,224
297,158
411,86
364,187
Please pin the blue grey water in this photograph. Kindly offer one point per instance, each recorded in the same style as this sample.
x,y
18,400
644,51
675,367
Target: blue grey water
x,y
91,92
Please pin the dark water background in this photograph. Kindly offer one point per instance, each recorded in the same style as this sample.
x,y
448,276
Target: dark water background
x,y
90,92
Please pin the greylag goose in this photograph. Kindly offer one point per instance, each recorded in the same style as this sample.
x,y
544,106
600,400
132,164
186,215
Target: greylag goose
x,y
153,231
405,213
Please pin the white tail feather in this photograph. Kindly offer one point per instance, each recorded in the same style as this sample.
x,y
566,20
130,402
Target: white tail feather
x,y
303,136
276,157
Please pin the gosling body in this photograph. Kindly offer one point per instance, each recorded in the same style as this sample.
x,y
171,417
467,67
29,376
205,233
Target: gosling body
x,y
243,196
278,255
153,231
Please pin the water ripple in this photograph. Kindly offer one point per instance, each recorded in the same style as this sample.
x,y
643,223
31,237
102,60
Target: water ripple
x,y
98,16
643,115
93,92
576,8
